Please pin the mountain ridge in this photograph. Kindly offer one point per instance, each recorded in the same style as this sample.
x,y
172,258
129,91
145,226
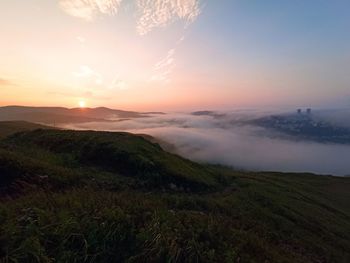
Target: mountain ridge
x,y
56,115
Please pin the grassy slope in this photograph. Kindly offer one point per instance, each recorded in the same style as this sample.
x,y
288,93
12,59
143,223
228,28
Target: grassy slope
x,y
10,127
115,197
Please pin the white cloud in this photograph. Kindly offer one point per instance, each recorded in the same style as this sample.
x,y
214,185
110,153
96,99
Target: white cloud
x,y
89,9
81,39
117,83
89,74
181,39
160,13
151,13
164,67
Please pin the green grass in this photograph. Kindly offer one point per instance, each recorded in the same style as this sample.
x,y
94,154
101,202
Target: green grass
x,y
69,196
9,127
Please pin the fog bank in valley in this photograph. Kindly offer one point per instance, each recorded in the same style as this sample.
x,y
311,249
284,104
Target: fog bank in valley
x,y
228,140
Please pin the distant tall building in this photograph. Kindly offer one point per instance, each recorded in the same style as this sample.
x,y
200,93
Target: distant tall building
x,y
308,111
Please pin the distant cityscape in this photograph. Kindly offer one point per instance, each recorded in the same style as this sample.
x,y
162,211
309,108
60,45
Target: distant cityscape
x,y
308,111
305,126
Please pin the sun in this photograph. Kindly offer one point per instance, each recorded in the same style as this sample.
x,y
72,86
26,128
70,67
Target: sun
x,y
82,104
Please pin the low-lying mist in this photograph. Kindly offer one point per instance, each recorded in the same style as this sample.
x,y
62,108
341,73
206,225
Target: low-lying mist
x,y
227,139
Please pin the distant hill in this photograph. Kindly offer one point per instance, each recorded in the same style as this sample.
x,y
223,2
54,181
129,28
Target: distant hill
x,y
86,196
208,113
57,115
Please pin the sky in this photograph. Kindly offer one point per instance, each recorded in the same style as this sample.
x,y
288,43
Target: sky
x,y
175,54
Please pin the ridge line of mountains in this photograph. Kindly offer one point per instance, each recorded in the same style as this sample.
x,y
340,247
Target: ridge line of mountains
x,y
57,115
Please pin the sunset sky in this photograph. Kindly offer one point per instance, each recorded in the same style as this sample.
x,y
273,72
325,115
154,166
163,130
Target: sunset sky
x,y
175,54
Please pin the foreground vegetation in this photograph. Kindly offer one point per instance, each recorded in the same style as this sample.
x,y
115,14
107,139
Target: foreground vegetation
x,y
69,196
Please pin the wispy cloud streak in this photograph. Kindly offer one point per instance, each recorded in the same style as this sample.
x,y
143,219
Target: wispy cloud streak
x,y
164,67
89,9
118,84
87,73
160,13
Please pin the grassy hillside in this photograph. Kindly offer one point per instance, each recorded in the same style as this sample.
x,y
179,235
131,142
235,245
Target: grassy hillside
x,y
11,127
69,196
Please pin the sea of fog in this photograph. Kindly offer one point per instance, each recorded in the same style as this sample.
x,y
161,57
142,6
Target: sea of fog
x,y
228,140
